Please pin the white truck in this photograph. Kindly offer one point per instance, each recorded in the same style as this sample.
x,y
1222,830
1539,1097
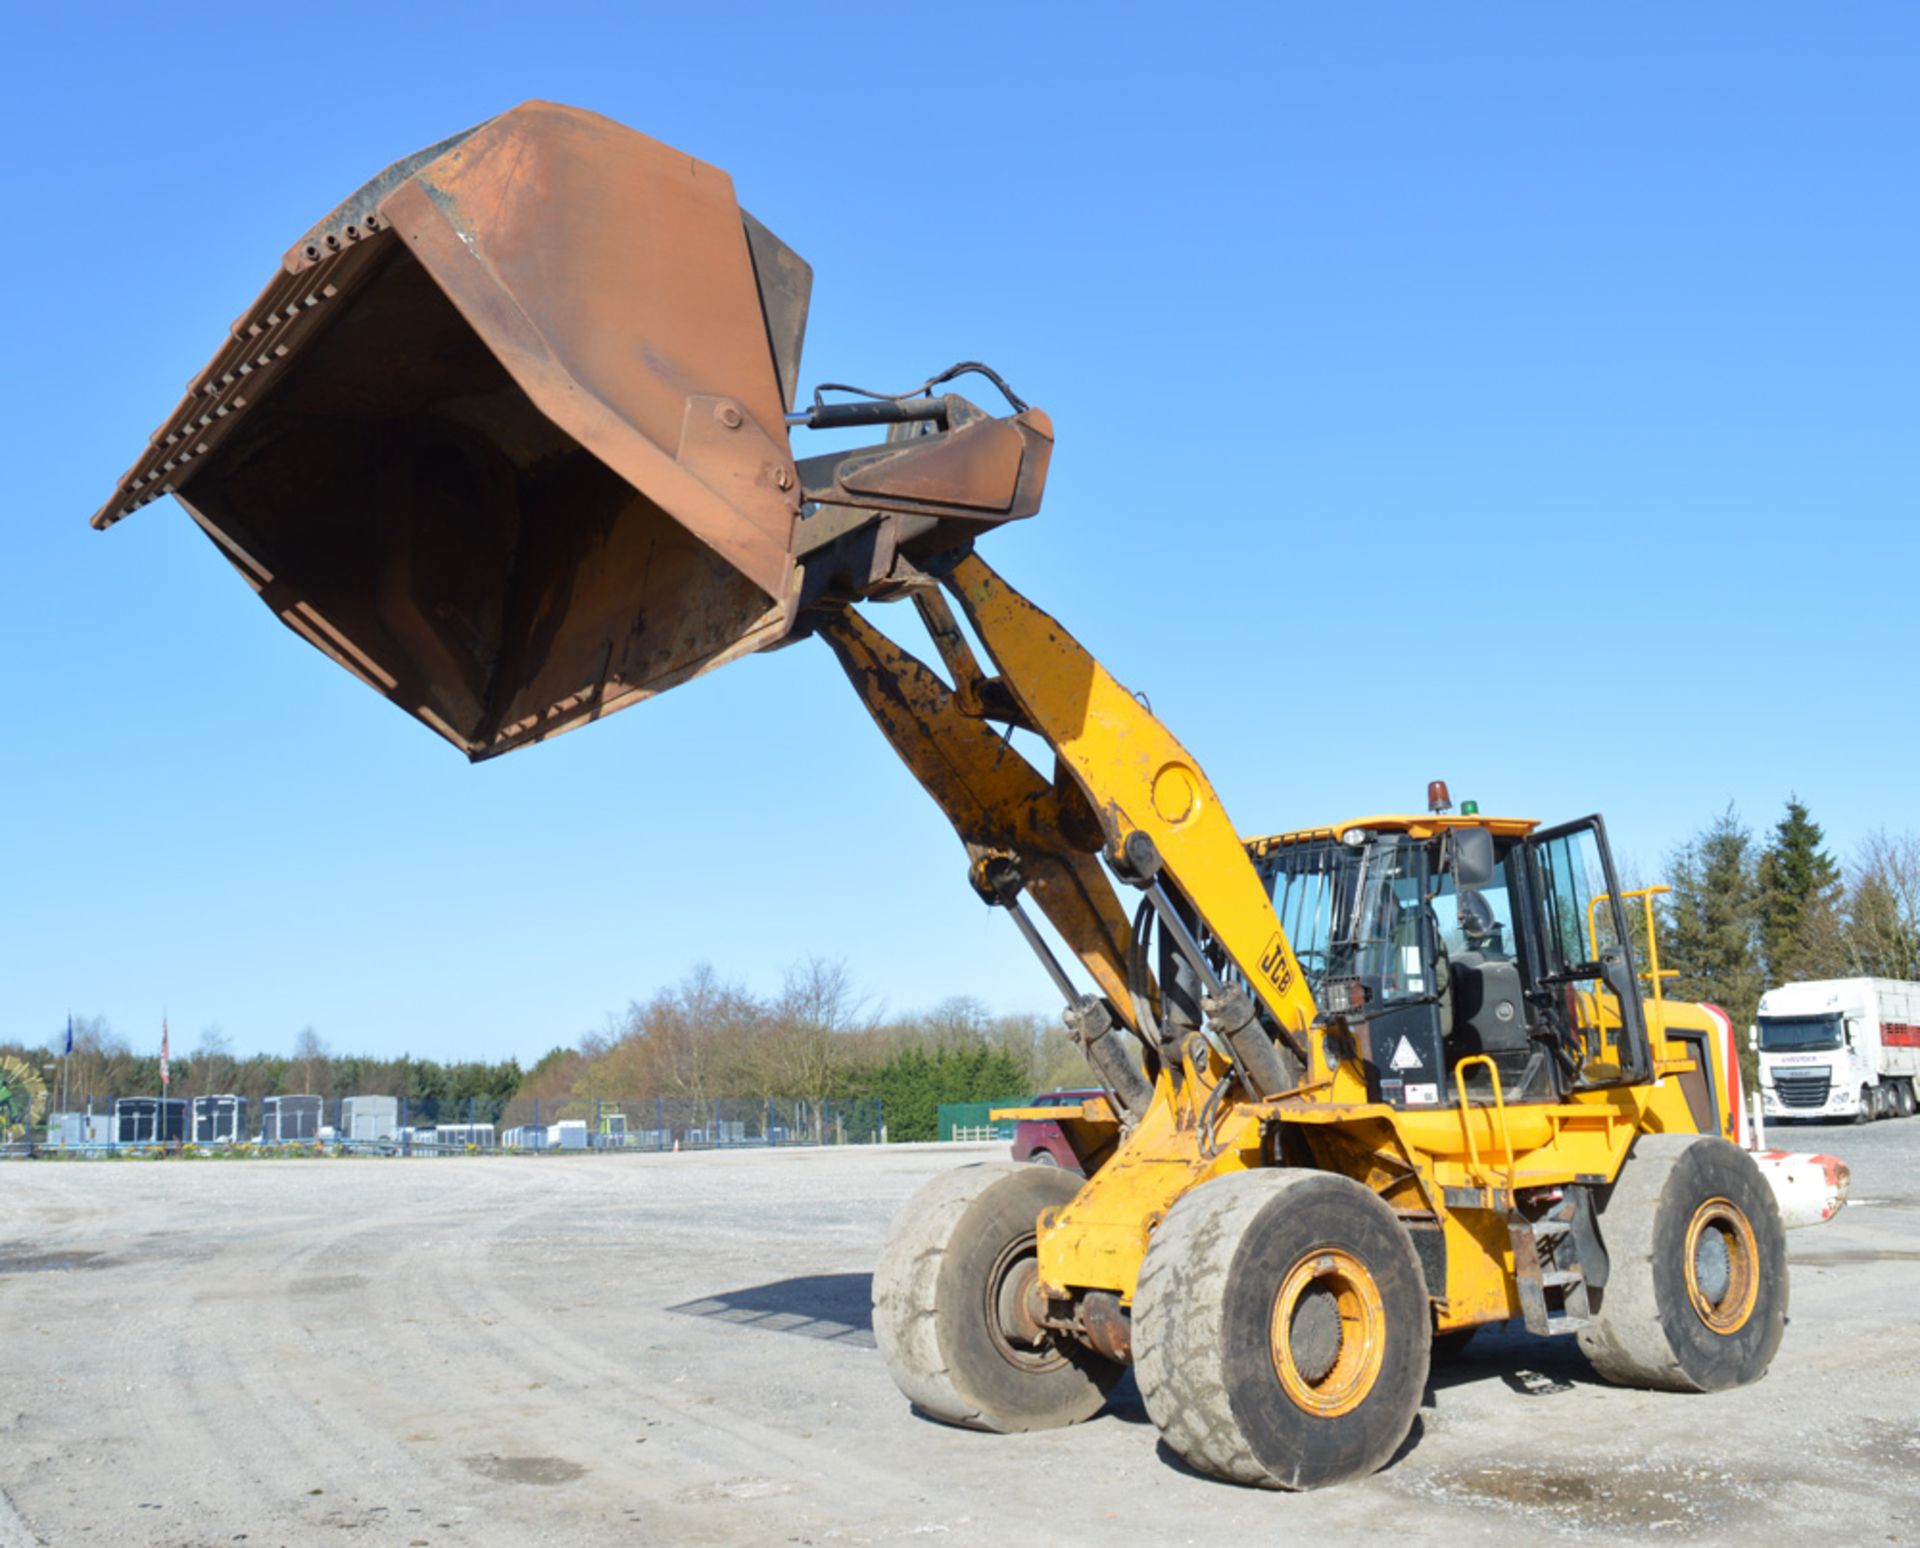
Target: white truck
x,y
1840,1048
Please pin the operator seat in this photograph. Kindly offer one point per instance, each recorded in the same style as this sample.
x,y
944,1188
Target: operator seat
x,y
1490,1017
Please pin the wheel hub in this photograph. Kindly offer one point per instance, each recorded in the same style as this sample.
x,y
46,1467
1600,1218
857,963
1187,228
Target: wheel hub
x,y
1316,1333
1723,1266
1328,1333
1014,1307
1017,1308
1713,1265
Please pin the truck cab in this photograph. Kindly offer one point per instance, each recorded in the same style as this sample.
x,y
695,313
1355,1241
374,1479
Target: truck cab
x,y
1839,1049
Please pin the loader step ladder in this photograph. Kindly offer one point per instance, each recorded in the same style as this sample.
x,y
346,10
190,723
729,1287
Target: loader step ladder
x,y
1548,1268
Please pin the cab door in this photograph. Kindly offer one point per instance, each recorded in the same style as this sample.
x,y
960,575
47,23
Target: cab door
x,y
1583,985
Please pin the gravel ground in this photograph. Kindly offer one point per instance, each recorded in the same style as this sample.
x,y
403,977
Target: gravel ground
x,y
676,1349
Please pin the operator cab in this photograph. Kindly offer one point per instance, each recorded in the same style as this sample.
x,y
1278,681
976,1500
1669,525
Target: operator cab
x,y
1457,950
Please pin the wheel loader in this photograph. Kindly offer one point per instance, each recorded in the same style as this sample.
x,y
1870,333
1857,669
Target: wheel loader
x,y
511,436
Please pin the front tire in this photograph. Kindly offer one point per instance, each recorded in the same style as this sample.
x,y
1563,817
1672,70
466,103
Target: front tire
x,y
1281,1329
1696,1297
950,1311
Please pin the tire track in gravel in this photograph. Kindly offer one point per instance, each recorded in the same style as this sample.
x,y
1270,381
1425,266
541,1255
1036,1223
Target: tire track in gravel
x,y
592,1398
239,1383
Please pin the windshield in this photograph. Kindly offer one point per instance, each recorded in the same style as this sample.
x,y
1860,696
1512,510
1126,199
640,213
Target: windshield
x,y
1781,1034
1353,914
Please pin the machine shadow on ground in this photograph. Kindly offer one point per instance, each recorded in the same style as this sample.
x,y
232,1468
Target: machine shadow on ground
x,y
835,1308
1508,1351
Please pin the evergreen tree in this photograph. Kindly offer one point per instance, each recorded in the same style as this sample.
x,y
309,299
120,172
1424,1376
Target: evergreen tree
x,y
1711,925
1798,886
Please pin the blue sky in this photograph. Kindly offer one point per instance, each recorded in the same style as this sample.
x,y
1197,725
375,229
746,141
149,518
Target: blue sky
x,y
1522,395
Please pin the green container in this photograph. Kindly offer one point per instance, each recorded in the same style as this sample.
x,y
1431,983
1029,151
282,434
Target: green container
x,y
971,1119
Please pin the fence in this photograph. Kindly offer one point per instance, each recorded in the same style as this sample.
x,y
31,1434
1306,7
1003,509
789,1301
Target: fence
x,y
970,1120
389,1124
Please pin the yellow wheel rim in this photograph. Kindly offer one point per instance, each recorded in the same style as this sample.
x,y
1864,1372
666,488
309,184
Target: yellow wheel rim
x,y
1723,1266
1329,1333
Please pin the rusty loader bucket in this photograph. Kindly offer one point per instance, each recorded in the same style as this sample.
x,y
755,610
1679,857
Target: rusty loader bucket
x,y
507,436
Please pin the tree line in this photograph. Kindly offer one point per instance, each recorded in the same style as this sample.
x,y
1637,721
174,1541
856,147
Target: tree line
x,y
1747,913
1744,913
104,1065
817,1041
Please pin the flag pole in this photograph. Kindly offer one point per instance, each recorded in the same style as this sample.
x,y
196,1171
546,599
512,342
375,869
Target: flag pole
x,y
166,1080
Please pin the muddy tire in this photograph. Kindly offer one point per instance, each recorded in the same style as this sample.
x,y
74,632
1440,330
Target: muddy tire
x,y
947,1305
1281,1329
1696,1297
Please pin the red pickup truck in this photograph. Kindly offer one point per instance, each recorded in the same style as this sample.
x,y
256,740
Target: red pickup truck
x,y
1073,1130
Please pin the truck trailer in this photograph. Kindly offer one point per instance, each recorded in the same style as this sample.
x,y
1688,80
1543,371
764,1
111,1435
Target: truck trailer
x,y
288,1120
219,1120
150,1120
1840,1048
370,1119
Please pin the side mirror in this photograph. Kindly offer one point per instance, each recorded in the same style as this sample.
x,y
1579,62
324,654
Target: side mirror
x,y
1472,858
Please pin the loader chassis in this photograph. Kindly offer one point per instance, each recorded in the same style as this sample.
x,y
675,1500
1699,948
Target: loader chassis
x,y
1456,1163
509,437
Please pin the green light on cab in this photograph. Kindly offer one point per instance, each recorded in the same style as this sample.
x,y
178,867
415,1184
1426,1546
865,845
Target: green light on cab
x,y
1469,808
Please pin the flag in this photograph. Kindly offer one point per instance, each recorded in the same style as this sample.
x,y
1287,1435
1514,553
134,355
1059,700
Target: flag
x,y
69,1034
166,1075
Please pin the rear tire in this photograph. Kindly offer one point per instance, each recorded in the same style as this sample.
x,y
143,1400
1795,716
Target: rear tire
x,y
947,1301
1280,1329
1909,1101
1696,1296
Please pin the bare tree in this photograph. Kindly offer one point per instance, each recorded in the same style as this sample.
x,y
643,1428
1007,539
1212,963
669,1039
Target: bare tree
x,y
213,1054
959,1021
693,1041
310,1053
1883,908
102,1063
804,1049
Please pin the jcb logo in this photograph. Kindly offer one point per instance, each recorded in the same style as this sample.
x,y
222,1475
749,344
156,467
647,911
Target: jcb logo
x,y
1273,964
